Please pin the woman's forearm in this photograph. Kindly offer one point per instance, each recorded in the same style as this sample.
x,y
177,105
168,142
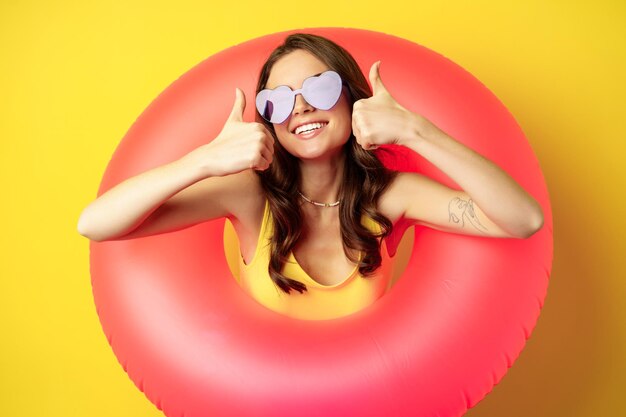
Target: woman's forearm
x,y
124,207
238,147
502,199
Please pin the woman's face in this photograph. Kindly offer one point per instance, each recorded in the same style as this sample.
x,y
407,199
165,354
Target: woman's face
x,y
291,70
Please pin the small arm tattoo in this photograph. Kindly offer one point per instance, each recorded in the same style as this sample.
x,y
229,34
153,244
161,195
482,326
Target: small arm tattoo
x,y
460,211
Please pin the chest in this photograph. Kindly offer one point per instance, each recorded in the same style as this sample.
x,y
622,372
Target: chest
x,y
319,252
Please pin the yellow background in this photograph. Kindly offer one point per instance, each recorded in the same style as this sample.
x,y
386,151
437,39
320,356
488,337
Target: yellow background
x,y
75,75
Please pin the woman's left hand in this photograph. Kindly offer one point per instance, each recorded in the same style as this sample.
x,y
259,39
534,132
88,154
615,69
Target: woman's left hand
x,y
380,120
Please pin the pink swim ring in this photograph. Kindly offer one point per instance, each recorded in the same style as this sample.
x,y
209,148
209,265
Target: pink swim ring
x,y
435,345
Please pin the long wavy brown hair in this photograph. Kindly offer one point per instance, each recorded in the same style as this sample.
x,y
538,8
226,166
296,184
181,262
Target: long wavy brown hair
x,y
364,177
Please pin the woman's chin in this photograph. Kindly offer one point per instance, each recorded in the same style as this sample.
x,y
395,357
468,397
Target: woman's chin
x,y
316,150
316,153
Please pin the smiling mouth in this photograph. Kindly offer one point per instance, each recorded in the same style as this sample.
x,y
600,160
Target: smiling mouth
x,y
309,127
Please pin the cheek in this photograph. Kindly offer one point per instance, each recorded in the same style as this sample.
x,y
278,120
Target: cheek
x,y
346,127
283,137
345,121
281,132
345,114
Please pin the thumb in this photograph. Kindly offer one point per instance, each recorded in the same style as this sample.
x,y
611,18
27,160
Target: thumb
x,y
375,80
236,114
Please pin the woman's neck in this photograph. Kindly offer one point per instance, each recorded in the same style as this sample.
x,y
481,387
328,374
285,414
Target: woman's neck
x,y
321,179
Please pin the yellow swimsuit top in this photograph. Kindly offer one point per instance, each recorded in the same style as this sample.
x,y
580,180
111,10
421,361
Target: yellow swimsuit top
x,y
319,302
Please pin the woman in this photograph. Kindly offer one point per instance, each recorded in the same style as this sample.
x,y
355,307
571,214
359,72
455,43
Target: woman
x,y
314,209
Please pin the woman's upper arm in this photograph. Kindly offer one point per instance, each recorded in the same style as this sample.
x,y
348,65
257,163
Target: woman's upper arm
x,y
205,200
430,203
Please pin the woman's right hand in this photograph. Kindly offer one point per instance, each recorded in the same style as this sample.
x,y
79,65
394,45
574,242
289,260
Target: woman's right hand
x,y
239,146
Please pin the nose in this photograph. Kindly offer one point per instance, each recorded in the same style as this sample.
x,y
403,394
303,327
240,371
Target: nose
x,y
301,105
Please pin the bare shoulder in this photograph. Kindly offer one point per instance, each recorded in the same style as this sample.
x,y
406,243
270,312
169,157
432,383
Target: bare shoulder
x,y
240,195
250,199
392,202
408,196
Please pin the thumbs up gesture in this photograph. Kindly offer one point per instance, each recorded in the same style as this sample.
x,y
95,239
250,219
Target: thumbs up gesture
x,y
239,146
380,120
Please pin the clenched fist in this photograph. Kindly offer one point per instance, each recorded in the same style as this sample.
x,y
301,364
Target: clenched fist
x,y
239,146
380,120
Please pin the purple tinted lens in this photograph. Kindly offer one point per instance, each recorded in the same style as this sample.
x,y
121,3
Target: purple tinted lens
x,y
282,99
275,105
322,92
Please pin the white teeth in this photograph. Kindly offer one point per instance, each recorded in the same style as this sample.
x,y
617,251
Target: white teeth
x,y
310,126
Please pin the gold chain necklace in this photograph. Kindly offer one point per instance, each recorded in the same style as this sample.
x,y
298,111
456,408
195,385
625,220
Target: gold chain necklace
x,y
319,204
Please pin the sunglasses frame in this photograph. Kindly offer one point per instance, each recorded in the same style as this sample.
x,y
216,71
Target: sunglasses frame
x,y
263,96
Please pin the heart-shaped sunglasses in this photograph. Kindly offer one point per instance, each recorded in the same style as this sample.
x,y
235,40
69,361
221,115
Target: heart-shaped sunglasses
x,y
320,91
